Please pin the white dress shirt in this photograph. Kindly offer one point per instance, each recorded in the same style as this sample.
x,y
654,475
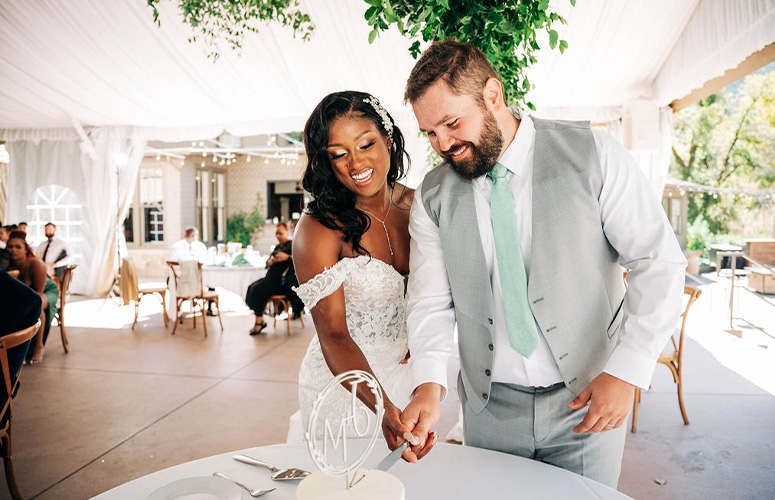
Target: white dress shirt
x,y
626,201
55,248
188,250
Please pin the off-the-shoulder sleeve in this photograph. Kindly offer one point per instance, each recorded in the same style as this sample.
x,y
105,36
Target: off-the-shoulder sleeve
x,y
323,284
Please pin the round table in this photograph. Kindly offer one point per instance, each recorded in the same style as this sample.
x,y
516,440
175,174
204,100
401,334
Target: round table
x,y
449,472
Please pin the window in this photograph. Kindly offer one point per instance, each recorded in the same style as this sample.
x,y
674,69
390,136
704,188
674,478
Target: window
x,y
211,206
145,219
60,205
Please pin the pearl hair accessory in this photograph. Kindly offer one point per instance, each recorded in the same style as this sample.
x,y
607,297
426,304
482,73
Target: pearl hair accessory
x,y
387,123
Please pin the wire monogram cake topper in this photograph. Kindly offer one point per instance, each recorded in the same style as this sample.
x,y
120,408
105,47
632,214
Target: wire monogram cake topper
x,y
357,419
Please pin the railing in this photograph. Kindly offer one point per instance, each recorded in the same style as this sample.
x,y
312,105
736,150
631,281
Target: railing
x,y
733,256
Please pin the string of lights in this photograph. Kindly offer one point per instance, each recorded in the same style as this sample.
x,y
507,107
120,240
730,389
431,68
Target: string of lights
x,y
702,190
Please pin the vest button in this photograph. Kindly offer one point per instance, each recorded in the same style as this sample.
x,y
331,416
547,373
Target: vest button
x,y
489,320
487,372
491,347
484,395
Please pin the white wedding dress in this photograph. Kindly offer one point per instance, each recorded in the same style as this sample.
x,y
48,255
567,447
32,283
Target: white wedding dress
x,y
376,319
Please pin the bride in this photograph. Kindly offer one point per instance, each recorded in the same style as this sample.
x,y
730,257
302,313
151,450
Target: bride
x,y
351,252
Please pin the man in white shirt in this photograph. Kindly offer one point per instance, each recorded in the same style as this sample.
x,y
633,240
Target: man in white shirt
x,y
53,251
190,248
551,347
3,235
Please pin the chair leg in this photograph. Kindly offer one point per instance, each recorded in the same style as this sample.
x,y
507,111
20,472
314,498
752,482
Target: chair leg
x,y
177,315
62,332
137,310
287,306
10,476
635,404
681,401
164,308
218,306
203,309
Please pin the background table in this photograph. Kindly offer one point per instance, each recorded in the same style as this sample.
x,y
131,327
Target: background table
x,y
449,472
235,279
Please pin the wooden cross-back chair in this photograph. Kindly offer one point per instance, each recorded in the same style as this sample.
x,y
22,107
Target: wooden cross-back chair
x,y
133,291
672,357
200,299
11,385
276,304
64,285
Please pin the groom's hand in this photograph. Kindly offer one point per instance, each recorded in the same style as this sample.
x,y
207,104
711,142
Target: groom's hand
x,y
420,415
611,400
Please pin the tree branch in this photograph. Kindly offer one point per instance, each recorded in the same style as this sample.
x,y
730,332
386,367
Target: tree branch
x,y
723,175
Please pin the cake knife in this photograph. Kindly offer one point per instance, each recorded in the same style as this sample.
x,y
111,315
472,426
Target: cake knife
x,y
392,458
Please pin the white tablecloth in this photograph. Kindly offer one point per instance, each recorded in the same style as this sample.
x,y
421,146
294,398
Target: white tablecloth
x,y
235,279
449,472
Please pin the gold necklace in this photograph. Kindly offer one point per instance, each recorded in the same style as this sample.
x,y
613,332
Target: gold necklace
x,y
390,247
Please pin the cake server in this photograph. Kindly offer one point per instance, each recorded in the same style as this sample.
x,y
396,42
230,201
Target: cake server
x,y
391,459
277,474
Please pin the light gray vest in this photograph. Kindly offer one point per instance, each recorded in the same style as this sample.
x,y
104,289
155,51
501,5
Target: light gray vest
x,y
575,286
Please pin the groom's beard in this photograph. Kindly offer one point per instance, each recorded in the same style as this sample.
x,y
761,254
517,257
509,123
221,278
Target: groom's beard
x,y
484,154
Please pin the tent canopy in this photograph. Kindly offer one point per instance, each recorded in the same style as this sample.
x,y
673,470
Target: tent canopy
x,y
105,63
85,84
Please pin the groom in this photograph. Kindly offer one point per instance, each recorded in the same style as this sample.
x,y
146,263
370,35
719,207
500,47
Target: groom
x,y
518,238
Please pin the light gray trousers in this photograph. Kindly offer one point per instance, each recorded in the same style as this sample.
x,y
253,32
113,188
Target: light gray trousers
x,y
536,423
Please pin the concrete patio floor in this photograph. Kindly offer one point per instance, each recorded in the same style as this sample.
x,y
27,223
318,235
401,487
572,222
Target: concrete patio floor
x,y
126,403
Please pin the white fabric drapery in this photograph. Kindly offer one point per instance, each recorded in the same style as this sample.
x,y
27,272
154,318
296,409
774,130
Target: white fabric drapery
x,y
719,35
111,178
107,66
38,163
655,164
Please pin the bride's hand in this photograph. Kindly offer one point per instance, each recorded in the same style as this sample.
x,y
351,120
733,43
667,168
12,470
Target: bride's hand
x,y
392,427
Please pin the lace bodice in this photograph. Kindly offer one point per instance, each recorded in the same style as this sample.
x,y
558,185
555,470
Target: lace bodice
x,y
376,319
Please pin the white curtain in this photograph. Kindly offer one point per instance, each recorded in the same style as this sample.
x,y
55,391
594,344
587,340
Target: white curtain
x,y
111,179
92,177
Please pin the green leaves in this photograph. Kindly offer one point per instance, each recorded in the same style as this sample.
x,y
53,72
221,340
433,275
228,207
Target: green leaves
x,y
505,30
553,36
227,21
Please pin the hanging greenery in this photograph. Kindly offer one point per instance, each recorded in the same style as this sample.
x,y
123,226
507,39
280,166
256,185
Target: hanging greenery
x,y
228,21
505,30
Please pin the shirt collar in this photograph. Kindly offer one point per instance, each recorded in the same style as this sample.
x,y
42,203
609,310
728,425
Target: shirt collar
x,y
516,157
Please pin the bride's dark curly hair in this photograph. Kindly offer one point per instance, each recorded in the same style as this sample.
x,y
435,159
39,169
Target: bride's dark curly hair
x,y
333,205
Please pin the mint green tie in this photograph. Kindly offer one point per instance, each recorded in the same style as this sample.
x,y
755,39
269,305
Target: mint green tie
x,y
511,268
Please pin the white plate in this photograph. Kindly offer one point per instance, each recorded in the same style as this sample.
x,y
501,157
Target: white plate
x,y
219,487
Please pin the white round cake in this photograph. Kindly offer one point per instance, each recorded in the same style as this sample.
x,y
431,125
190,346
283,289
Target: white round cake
x,y
375,485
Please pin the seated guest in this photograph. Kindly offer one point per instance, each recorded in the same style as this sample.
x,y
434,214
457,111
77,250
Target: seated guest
x,y
53,252
3,235
22,226
20,307
190,248
32,272
5,257
279,265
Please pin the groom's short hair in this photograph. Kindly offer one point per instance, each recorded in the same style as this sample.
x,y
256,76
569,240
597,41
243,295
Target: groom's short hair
x,y
460,65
